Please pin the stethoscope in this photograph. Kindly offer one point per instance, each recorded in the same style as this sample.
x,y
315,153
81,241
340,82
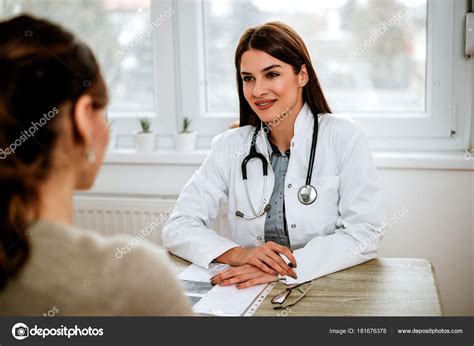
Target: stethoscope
x,y
307,193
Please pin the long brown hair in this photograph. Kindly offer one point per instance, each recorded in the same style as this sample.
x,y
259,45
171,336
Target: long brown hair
x,y
42,68
283,43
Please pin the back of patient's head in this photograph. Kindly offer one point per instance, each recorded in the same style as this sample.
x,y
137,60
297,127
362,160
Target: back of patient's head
x,y
47,77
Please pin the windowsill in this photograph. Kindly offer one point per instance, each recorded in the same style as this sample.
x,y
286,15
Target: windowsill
x,y
160,157
423,160
387,160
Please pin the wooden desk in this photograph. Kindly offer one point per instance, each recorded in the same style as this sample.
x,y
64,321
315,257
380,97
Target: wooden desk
x,y
380,287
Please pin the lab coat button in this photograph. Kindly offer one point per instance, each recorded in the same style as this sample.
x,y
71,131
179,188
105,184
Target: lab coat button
x,y
259,237
289,186
293,226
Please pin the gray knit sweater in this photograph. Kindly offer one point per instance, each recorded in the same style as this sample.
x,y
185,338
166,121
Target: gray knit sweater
x,y
73,272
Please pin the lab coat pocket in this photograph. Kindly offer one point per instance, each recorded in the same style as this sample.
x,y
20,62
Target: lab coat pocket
x,y
321,216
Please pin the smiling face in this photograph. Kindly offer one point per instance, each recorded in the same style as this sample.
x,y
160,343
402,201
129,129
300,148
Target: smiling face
x,y
271,86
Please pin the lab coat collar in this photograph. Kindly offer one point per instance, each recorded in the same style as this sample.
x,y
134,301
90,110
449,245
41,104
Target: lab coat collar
x,y
304,120
303,123
272,148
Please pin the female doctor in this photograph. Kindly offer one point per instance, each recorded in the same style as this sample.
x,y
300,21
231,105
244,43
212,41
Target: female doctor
x,y
300,183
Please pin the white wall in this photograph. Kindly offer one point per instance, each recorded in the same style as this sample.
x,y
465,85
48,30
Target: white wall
x,y
437,227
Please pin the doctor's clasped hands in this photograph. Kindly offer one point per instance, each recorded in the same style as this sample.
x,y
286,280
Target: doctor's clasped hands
x,y
253,266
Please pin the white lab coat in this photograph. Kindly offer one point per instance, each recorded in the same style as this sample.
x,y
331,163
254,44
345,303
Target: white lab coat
x,y
342,228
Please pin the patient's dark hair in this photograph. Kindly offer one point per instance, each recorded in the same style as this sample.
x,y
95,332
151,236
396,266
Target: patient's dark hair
x,y
282,42
43,67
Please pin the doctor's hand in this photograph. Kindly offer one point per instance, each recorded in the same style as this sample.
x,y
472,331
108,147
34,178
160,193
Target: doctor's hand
x,y
243,276
265,257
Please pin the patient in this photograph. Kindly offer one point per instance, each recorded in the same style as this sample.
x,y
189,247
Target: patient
x,y
52,140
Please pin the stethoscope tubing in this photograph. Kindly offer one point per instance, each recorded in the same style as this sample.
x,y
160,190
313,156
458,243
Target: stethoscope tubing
x,y
312,153
253,154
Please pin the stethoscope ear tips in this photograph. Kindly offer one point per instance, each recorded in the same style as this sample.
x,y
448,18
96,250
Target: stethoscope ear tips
x,y
238,213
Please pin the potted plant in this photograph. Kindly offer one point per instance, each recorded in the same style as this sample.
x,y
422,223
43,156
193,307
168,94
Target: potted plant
x,y
185,140
145,139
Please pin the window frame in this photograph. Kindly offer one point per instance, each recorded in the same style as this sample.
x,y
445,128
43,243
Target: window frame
x,y
125,123
181,38
448,109
163,70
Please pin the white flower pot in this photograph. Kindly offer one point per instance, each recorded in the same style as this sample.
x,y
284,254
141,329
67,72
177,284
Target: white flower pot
x,y
185,142
145,142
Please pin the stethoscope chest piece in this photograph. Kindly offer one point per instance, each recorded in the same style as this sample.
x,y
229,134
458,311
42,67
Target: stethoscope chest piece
x,y
307,194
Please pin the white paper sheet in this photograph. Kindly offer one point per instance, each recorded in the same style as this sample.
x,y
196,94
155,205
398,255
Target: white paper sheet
x,y
218,300
304,258
196,273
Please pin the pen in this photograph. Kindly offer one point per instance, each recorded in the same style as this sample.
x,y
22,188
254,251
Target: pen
x,y
286,260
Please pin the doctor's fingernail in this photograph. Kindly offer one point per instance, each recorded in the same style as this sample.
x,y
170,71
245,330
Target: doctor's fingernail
x,y
290,265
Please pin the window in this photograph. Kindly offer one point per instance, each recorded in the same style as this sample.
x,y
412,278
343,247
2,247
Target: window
x,y
395,66
367,51
114,30
122,33
390,65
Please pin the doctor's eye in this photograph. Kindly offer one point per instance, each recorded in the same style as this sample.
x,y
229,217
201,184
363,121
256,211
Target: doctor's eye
x,y
272,74
247,78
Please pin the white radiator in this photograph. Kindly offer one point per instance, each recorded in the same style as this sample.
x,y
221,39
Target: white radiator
x,y
112,215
